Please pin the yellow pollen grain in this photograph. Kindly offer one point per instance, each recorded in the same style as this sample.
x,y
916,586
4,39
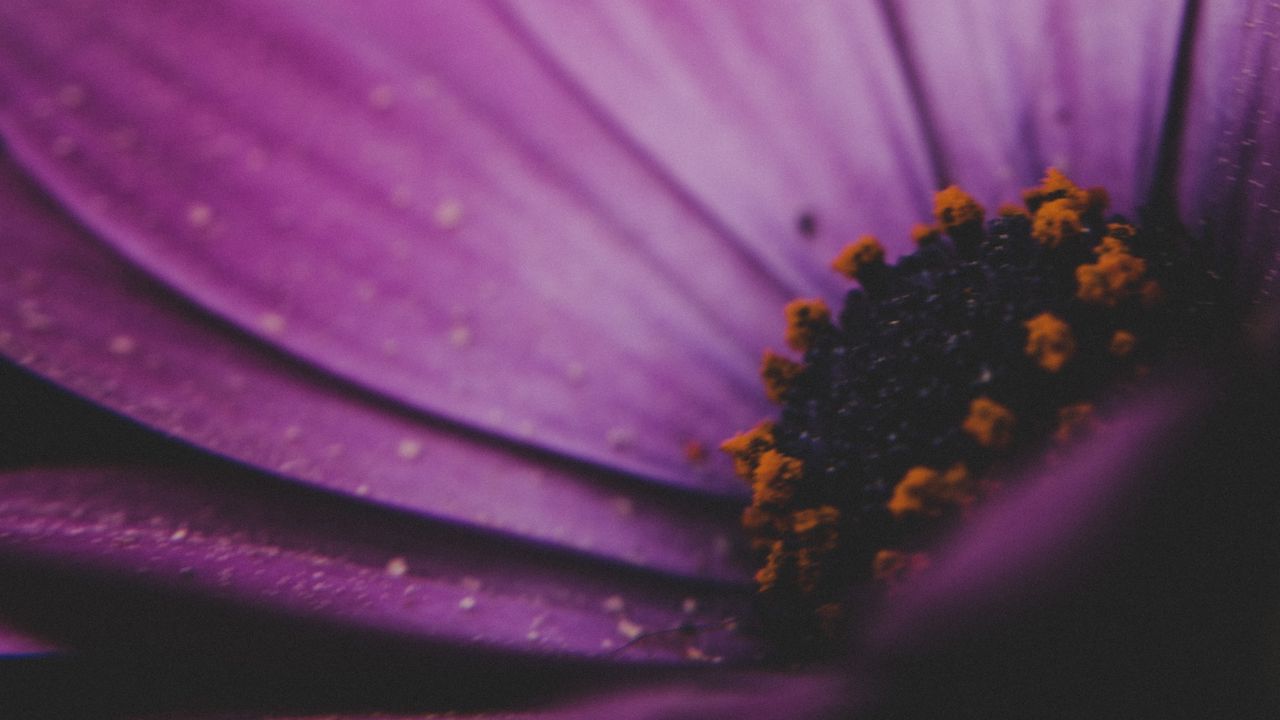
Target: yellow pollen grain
x,y
1075,422
778,374
1097,200
990,423
858,256
805,317
767,576
925,491
746,448
892,567
817,523
1123,232
830,618
954,209
1109,245
1056,222
1053,187
775,478
757,520
1049,342
1122,343
1108,281
695,451
1009,210
1151,294
816,538
922,234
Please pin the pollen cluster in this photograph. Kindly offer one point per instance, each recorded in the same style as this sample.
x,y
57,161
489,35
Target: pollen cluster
x,y
990,340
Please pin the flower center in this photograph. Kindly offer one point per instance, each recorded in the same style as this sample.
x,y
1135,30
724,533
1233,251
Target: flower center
x,y
988,341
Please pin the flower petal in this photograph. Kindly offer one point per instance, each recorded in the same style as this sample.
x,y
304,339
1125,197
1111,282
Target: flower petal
x,y
750,696
1047,521
1012,88
74,313
761,110
16,643
1231,181
150,541
370,192
1130,578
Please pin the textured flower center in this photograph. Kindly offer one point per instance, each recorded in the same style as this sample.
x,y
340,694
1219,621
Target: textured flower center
x,y
990,340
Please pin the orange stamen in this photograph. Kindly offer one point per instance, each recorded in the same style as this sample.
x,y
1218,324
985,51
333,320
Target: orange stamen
x,y
804,320
1049,342
990,423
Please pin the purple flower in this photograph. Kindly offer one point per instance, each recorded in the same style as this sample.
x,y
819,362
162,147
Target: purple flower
x,y
435,304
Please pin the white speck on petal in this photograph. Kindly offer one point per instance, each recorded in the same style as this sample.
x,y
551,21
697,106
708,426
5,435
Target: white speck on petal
x,y
623,506
629,630
409,449
199,215
382,97
689,606
401,197
124,138
122,345
71,96
448,214
271,323
613,604
460,336
33,318
575,372
397,567
255,160
619,438
467,603
63,145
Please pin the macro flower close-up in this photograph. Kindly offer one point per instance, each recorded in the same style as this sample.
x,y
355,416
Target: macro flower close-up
x,y
401,359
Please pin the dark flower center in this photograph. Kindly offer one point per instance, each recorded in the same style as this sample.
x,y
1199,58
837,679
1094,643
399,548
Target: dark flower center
x,y
989,341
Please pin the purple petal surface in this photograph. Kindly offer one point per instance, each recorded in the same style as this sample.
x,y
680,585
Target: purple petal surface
x,y
1231,153
74,313
408,199
15,643
1013,88
1135,577
780,695
752,696
761,110
219,534
1050,526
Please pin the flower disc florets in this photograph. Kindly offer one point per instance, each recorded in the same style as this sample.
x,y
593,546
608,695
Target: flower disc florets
x,y
989,340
